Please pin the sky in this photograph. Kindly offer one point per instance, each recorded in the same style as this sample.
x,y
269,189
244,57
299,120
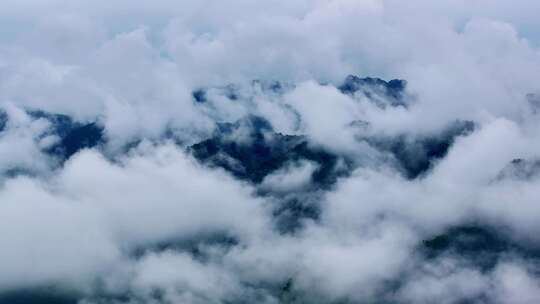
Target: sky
x,y
174,202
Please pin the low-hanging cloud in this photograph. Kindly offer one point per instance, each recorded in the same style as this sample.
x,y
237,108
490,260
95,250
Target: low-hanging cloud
x,y
327,151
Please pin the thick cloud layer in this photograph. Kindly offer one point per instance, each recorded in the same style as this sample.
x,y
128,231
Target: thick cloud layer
x,y
326,151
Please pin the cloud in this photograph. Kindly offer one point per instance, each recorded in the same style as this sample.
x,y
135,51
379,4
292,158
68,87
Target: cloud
x,y
90,214
291,178
233,160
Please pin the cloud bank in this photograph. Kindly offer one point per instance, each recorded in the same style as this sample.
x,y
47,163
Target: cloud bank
x,y
326,151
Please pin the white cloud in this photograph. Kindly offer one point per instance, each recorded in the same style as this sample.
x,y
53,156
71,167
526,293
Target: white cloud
x,y
132,67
